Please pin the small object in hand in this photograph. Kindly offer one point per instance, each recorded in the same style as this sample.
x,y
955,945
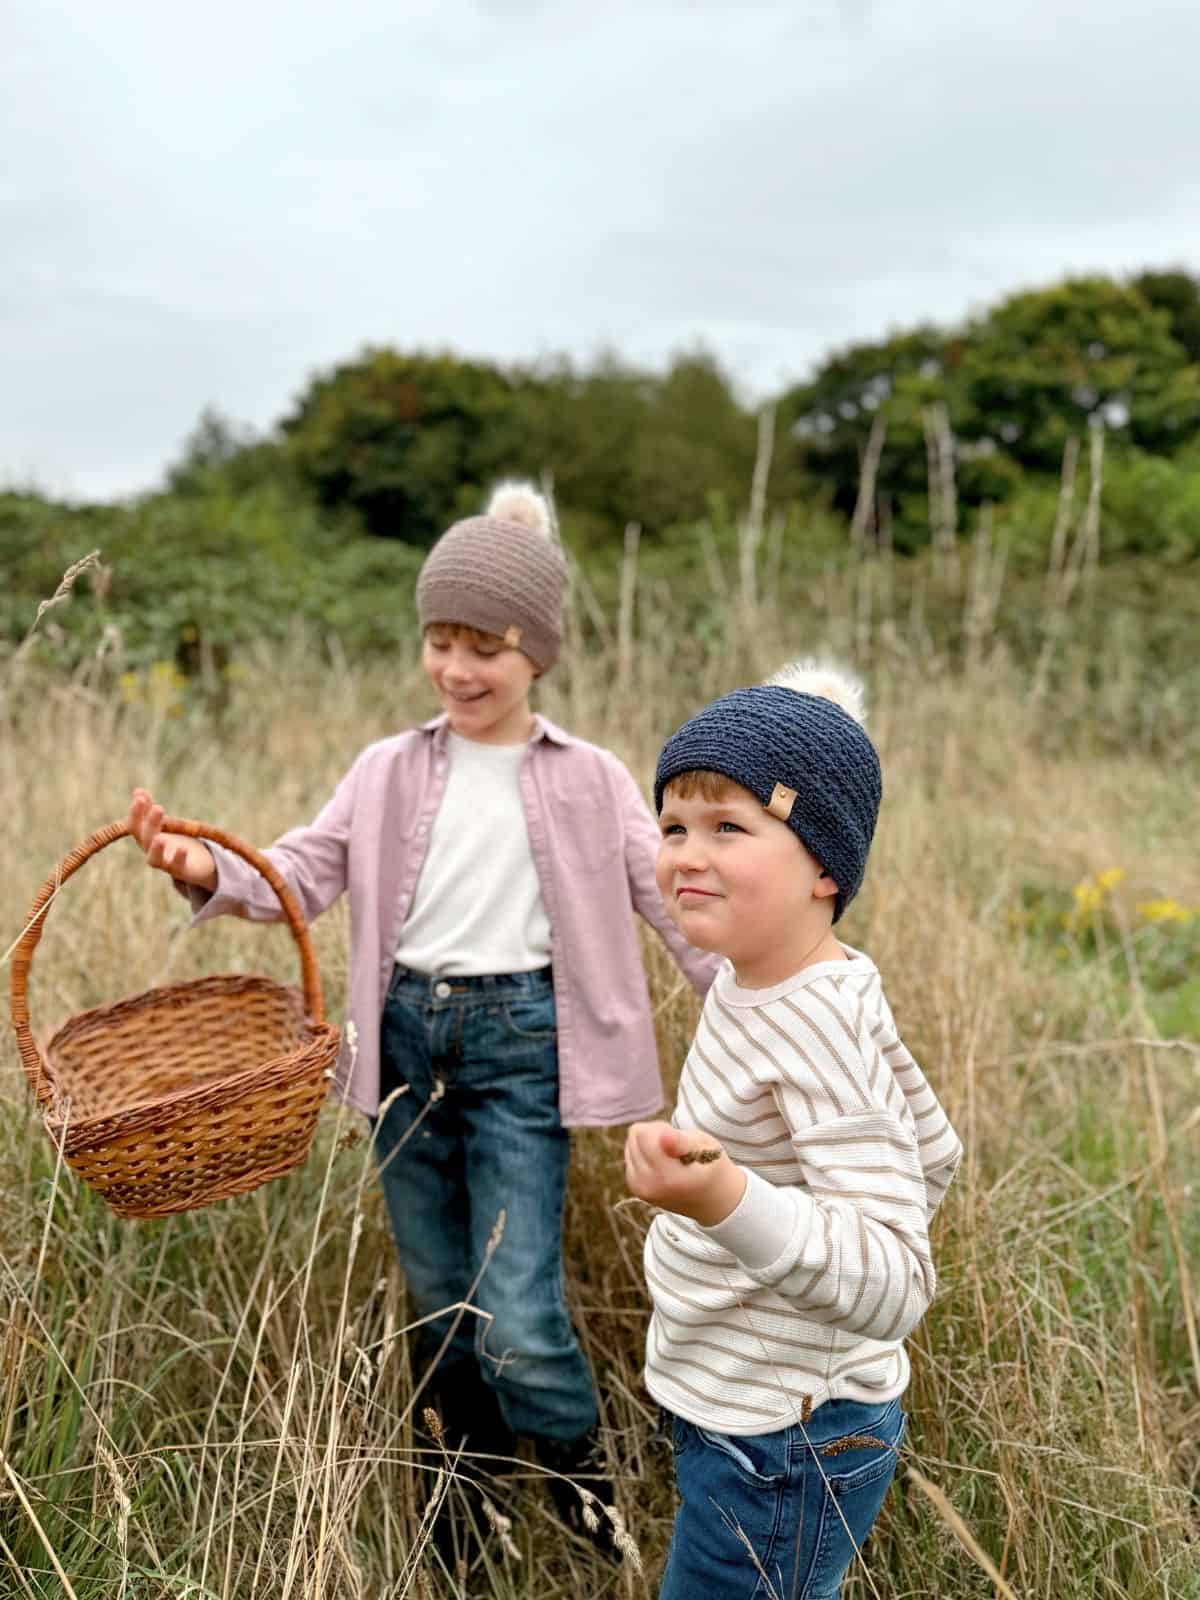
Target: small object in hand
x,y
703,1157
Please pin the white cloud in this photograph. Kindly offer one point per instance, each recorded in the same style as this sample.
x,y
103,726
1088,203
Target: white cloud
x,y
205,207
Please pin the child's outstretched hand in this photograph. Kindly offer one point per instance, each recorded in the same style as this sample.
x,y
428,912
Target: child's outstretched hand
x,y
682,1171
189,860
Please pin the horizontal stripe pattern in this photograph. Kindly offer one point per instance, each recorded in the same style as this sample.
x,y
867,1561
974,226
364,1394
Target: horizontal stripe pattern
x,y
809,1087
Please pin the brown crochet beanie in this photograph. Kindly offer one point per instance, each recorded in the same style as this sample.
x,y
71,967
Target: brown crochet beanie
x,y
503,573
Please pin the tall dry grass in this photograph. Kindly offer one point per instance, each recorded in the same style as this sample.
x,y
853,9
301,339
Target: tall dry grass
x,y
220,1405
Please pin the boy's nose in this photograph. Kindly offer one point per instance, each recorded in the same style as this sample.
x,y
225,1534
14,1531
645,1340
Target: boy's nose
x,y
691,858
457,669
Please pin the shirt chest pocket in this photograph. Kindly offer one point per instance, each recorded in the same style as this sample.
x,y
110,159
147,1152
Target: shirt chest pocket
x,y
585,831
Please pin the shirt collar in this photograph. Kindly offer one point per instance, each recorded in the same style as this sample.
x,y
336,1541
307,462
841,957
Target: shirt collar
x,y
543,728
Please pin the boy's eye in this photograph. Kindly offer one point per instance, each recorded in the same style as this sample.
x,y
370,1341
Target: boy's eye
x,y
732,827
672,828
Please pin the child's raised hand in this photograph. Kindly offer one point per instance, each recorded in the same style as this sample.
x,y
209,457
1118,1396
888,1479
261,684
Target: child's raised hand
x,y
189,860
682,1171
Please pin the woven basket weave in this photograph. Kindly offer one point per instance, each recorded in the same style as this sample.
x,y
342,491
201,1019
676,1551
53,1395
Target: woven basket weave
x,y
188,1093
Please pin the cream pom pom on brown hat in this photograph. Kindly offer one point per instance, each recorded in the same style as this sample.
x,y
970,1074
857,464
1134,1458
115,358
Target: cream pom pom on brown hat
x,y
503,572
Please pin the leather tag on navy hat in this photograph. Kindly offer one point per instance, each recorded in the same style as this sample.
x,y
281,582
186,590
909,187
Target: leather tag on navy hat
x,y
781,802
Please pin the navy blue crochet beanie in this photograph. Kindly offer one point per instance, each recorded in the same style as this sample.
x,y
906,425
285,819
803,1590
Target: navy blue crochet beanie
x,y
798,745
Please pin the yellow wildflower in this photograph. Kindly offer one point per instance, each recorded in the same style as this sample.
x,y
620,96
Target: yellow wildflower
x,y
1089,898
161,686
1163,911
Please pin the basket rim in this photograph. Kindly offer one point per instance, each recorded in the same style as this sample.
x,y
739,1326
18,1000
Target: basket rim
x,y
213,980
318,1051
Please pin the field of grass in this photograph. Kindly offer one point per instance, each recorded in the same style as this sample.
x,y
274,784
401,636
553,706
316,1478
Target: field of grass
x,y
218,1407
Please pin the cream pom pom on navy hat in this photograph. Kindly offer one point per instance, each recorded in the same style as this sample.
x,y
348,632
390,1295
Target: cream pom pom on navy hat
x,y
503,572
798,744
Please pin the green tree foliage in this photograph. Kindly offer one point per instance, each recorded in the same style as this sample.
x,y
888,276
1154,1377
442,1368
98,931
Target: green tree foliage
x,y
584,428
624,445
220,454
831,417
1151,505
1015,383
407,441
1043,366
698,443
1178,294
185,574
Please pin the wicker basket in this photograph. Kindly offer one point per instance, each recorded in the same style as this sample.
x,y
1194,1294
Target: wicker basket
x,y
188,1093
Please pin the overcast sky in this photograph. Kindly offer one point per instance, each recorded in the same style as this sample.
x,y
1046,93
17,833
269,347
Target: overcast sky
x,y
204,205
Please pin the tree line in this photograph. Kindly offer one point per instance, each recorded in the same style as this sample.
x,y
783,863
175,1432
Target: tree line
x,y
405,441
323,514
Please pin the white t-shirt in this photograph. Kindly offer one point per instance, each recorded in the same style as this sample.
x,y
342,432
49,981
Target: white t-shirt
x,y
478,904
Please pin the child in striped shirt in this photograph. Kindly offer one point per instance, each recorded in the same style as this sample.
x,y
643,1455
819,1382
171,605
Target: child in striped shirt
x,y
804,1161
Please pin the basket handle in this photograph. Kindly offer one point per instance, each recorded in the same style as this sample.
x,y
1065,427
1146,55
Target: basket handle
x,y
22,956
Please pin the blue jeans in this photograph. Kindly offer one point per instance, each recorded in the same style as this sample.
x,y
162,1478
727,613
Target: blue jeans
x,y
475,1134
804,1505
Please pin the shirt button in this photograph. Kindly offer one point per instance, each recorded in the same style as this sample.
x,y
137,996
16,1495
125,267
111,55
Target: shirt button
x,y
421,831
442,990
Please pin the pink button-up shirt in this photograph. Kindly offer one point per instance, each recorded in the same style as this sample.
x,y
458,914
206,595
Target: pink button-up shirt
x,y
594,842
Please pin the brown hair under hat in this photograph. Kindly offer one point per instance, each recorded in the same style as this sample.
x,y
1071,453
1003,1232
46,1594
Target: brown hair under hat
x,y
503,573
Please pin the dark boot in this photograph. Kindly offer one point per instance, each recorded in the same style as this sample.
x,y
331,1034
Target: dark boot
x,y
460,1418
582,1492
470,1417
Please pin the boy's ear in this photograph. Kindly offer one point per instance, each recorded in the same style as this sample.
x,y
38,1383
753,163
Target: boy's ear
x,y
824,887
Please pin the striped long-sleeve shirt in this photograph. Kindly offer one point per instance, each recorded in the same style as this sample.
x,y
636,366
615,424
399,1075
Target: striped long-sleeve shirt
x,y
807,1291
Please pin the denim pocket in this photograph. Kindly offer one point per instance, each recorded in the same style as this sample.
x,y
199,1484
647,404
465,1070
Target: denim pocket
x,y
760,1459
882,1463
869,1445
530,1019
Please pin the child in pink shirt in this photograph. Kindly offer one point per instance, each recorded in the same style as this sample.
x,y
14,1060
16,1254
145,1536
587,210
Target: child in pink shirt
x,y
494,864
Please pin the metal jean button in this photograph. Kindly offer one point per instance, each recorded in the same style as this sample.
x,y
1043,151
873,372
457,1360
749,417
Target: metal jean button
x,y
442,990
